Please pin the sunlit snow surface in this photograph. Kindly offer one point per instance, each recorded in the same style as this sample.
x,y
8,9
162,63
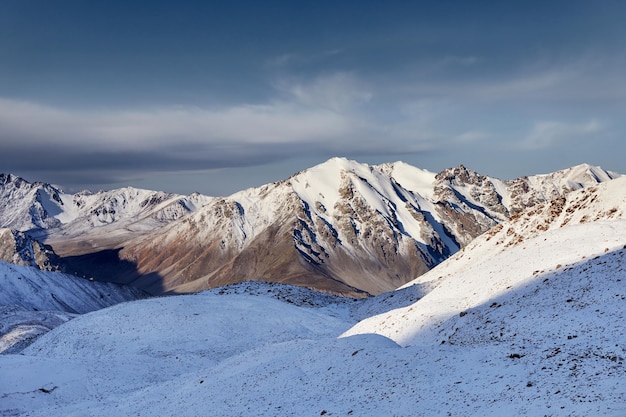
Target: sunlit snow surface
x,y
529,322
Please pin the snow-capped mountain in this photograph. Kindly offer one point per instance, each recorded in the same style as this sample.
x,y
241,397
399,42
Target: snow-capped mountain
x,y
341,226
28,205
44,208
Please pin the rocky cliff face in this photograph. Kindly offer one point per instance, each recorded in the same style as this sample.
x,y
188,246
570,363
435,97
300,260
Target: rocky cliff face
x,y
472,203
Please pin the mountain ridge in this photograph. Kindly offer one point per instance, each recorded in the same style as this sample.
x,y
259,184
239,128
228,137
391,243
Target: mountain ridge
x,y
340,226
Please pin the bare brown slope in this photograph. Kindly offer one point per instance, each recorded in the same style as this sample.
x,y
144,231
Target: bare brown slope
x,y
185,266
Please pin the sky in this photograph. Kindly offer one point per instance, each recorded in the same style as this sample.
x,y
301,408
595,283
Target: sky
x,y
219,96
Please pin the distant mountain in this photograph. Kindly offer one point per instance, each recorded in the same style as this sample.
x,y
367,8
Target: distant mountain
x,y
39,207
342,226
21,249
28,206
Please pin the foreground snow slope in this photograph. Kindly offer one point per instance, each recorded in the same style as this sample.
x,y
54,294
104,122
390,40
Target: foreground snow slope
x,y
131,346
35,289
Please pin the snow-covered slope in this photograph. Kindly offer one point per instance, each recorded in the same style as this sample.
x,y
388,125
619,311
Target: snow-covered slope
x,y
340,226
35,289
33,301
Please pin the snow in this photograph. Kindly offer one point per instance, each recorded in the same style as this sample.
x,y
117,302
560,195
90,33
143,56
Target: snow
x,y
482,275
553,343
525,320
34,289
374,184
503,192
32,302
509,258
419,181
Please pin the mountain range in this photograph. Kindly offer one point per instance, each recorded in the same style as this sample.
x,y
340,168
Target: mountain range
x,y
342,227
527,318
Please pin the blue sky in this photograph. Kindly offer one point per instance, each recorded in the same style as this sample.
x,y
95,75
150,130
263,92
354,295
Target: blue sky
x,y
215,96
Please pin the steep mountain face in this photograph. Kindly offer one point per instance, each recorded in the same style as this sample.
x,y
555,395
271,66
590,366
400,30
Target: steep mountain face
x,y
20,249
341,226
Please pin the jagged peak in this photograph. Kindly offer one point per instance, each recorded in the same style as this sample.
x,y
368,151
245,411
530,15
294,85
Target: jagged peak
x,y
460,174
8,178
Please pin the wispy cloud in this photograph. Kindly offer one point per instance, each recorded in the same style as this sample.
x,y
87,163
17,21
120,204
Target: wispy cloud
x,y
548,134
338,92
315,118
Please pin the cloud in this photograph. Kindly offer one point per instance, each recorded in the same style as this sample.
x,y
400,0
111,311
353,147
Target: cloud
x,y
472,137
317,116
536,85
548,134
338,92
108,145
590,77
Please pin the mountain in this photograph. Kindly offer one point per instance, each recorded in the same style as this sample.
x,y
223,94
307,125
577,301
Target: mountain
x,y
44,210
33,301
28,205
342,226
20,249
566,254
527,319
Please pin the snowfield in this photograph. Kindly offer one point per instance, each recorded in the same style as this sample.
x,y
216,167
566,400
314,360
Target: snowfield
x,y
527,320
